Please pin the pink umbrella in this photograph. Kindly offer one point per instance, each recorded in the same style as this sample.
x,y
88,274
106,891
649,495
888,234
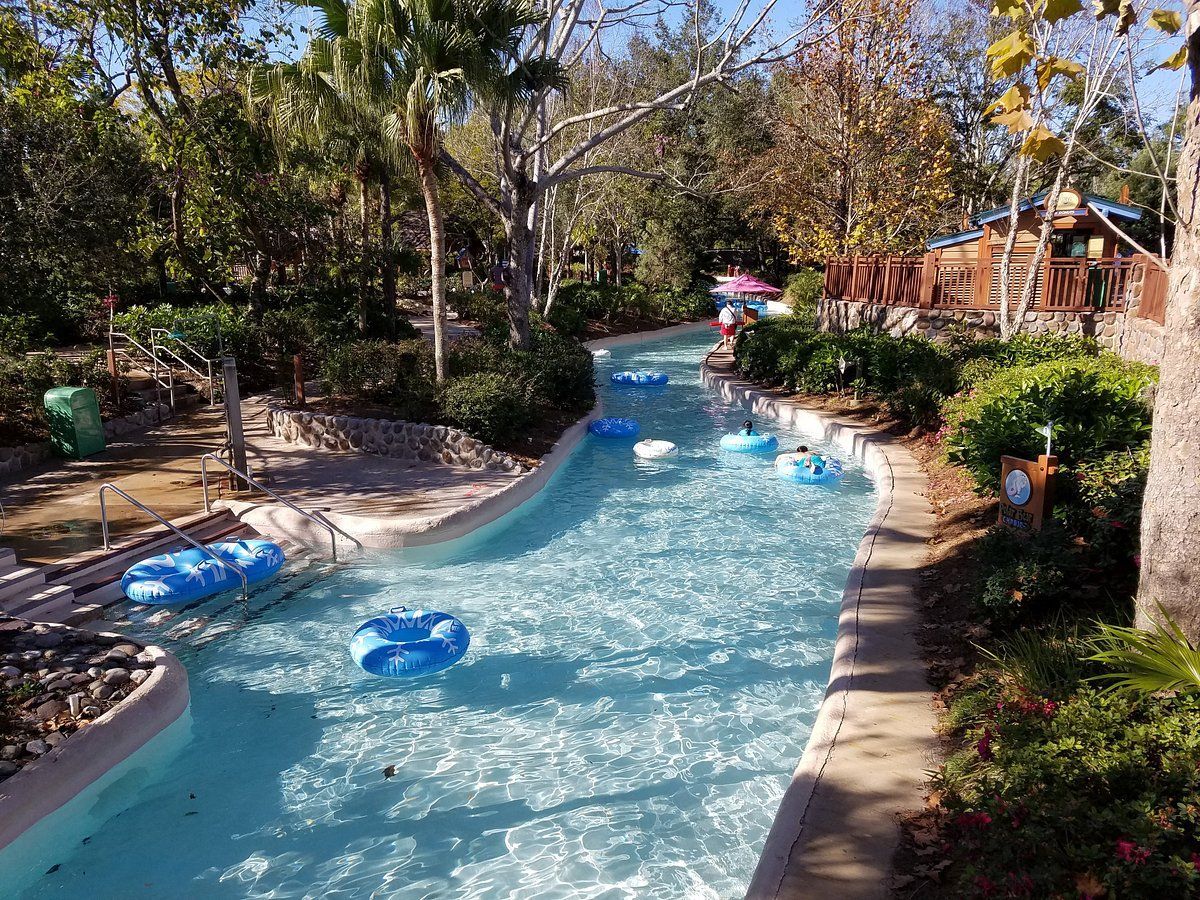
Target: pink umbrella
x,y
745,284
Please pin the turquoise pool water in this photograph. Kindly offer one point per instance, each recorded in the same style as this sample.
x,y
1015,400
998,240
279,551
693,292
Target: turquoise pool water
x,y
650,643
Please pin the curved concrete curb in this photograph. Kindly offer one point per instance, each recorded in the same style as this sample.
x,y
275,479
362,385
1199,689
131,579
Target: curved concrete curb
x,y
836,829
43,787
383,533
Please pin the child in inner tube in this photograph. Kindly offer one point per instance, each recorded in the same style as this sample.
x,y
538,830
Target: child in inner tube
x,y
813,461
747,429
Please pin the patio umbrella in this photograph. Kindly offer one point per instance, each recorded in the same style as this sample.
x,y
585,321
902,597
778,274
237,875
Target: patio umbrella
x,y
745,284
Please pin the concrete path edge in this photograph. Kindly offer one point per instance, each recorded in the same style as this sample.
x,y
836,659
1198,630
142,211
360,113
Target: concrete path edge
x,y
46,786
836,829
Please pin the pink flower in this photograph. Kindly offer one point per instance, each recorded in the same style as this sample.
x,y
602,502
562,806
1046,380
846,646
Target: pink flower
x,y
1129,851
1137,560
984,745
985,885
973,820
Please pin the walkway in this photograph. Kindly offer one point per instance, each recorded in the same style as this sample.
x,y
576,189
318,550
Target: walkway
x,y
54,511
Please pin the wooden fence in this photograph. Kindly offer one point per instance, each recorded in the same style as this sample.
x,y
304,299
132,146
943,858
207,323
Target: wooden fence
x,y
1061,285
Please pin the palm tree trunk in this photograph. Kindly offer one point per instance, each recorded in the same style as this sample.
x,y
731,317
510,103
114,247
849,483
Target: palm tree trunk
x,y
365,219
437,258
388,256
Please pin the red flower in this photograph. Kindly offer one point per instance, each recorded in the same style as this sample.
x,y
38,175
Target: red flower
x,y
985,885
973,820
1196,861
1137,560
1020,885
1129,851
984,745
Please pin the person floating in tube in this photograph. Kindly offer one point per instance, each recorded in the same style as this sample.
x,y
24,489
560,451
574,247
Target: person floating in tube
x,y
812,461
728,322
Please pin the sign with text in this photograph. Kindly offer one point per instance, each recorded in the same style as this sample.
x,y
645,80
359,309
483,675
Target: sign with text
x,y
1026,491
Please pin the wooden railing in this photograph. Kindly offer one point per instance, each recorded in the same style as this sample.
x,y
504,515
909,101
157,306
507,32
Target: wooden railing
x,y
1062,285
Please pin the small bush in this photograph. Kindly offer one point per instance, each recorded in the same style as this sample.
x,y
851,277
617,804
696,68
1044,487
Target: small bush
x,y
1101,501
802,292
24,381
568,320
1026,578
488,405
1090,796
399,375
1097,405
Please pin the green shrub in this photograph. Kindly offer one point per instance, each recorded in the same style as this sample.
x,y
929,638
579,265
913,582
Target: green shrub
x,y
558,372
1097,405
487,405
399,375
18,333
1100,500
1026,577
24,381
485,306
568,320
210,327
634,301
802,291
1091,796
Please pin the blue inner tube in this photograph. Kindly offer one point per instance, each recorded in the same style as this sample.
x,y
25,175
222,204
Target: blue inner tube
x,y
642,378
749,443
409,643
614,427
189,574
793,471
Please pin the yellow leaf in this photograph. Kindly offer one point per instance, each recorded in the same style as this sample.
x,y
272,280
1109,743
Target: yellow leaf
x,y
1055,65
1016,121
1008,8
1167,21
1010,54
1061,9
1175,60
1015,98
1042,144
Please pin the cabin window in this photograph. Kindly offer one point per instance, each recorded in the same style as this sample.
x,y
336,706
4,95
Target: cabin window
x,y
1073,244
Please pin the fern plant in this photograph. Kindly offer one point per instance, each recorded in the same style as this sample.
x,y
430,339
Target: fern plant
x,y
1147,661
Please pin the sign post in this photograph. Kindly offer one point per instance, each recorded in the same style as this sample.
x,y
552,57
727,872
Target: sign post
x,y
1026,491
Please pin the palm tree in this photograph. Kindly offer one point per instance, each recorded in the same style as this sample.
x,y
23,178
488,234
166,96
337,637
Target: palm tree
x,y
406,69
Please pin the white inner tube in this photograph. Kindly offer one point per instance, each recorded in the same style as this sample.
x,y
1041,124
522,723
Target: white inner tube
x,y
649,449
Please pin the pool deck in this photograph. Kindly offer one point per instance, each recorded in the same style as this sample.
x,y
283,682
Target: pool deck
x,y
837,827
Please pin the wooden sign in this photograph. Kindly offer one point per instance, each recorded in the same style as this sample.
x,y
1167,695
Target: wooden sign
x,y
1026,491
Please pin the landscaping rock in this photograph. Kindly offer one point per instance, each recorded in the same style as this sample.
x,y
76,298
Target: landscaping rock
x,y
37,748
116,677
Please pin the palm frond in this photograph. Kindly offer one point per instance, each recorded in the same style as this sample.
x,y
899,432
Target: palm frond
x,y
1147,661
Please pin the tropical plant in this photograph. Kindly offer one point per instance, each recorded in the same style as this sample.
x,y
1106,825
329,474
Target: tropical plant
x,y
1146,661
399,71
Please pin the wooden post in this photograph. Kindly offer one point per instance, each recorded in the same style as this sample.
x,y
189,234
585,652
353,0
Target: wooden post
x,y
885,288
298,379
233,419
928,280
983,270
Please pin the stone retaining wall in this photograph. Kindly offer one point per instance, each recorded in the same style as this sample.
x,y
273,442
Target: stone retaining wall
x,y
384,437
1131,336
24,456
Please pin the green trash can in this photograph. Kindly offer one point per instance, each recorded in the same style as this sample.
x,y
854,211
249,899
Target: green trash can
x,y
76,429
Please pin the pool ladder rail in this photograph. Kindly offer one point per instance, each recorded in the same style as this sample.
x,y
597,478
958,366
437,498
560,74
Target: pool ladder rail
x,y
316,517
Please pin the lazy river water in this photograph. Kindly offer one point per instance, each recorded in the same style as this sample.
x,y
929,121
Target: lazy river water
x,y
650,644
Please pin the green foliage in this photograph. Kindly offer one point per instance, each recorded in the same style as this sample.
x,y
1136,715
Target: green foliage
x,y
802,292
633,303
1148,661
1100,500
209,327
398,375
24,381
487,405
1093,795
1026,578
1045,662
1097,405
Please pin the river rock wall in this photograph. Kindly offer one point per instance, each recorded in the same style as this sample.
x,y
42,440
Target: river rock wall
x,y
413,441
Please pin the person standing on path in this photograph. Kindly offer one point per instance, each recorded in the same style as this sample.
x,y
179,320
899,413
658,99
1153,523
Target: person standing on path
x,y
728,321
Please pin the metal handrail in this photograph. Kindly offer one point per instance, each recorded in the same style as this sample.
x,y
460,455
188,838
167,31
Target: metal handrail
x,y
212,391
321,521
225,564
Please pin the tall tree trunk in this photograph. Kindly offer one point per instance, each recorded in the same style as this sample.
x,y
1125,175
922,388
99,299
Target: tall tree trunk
x,y
258,285
521,246
388,275
1171,510
365,234
437,258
